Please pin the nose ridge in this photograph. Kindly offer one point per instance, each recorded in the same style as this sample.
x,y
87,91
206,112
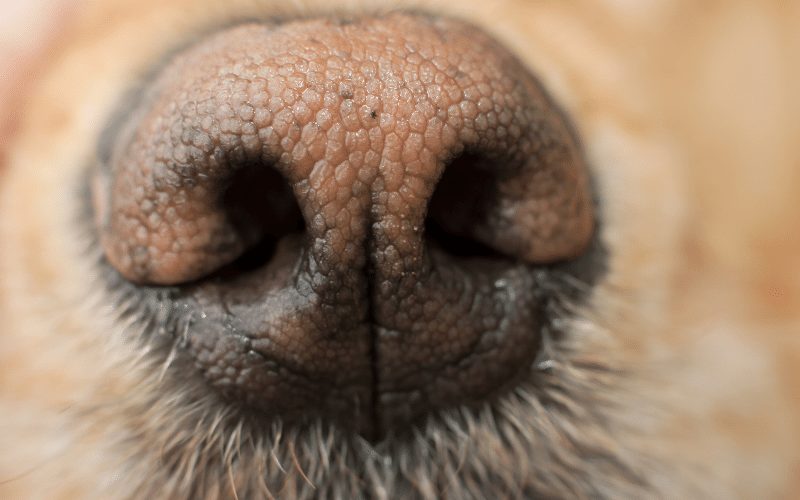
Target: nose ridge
x,y
362,120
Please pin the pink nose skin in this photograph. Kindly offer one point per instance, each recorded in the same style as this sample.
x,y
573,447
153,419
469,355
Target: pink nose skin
x,y
334,152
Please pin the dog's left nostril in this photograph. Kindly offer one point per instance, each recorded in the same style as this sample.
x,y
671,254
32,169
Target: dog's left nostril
x,y
460,198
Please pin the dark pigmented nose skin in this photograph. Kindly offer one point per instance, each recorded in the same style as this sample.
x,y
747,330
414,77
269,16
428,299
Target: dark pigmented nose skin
x,y
360,318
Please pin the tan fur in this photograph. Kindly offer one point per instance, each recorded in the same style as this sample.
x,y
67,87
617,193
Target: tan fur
x,y
683,369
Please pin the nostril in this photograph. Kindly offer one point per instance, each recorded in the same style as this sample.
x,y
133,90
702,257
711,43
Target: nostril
x,y
260,203
526,205
182,223
456,243
461,197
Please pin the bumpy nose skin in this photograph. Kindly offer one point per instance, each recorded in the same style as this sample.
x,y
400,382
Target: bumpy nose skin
x,y
361,317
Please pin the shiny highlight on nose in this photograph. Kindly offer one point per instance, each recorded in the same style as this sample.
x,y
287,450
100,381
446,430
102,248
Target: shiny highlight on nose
x,y
338,144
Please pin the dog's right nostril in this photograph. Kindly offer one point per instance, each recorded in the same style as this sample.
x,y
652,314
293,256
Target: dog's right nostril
x,y
262,207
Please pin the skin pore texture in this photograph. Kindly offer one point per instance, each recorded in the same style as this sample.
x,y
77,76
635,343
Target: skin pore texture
x,y
664,360
357,315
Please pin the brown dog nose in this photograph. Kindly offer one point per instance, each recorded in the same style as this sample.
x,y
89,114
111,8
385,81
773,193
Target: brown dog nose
x,y
354,212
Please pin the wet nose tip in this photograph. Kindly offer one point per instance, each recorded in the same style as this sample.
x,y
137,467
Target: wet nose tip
x,y
381,161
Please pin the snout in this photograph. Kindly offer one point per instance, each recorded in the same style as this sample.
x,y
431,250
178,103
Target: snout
x,y
353,212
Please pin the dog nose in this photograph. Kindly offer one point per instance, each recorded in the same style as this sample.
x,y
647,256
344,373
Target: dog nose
x,y
354,210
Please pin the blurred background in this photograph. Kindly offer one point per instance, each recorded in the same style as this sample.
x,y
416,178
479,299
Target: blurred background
x,y
26,27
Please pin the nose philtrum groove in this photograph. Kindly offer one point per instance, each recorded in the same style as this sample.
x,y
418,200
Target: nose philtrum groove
x,y
363,136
